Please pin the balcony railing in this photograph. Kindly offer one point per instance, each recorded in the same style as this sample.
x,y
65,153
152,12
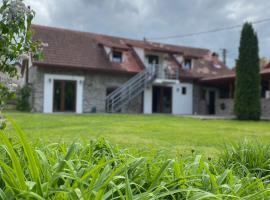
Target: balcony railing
x,y
165,72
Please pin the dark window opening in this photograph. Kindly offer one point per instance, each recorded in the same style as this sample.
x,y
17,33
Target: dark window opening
x,y
117,56
264,89
184,90
109,90
187,63
212,103
152,59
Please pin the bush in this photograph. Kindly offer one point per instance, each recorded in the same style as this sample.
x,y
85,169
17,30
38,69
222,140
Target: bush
x,y
24,94
97,170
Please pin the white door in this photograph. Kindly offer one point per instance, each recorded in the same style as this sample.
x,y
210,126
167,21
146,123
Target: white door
x,y
183,99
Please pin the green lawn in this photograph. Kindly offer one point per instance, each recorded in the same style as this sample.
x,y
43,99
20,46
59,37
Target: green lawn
x,y
176,134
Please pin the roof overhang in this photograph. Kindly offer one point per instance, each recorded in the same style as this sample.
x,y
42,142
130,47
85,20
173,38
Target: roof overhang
x,y
84,68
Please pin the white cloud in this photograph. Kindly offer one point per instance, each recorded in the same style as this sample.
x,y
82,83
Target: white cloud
x,y
152,18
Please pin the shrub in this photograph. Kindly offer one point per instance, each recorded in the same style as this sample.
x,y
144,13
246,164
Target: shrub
x,y
97,170
24,94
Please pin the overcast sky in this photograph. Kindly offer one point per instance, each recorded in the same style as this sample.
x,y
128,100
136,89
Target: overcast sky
x,y
158,18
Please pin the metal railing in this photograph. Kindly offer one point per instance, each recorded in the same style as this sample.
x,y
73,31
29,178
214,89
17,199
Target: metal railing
x,y
131,89
136,85
167,72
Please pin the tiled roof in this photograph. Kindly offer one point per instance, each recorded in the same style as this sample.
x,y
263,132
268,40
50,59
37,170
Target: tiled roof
x,y
68,48
231,75
77,49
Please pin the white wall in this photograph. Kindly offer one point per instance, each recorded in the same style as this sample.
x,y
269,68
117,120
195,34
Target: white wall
x,y
147,100
48,91
181,104
140,53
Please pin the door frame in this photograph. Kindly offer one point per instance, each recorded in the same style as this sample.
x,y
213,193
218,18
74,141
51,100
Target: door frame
x,y
161,87
48,91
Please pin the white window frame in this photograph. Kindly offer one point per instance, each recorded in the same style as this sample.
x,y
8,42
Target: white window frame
x,y
48,91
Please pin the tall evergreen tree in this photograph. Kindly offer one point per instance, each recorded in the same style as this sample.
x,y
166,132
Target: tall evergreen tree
x,y
247,89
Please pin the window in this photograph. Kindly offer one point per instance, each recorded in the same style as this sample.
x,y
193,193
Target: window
x,y
117,56
152,59
184,90
187,63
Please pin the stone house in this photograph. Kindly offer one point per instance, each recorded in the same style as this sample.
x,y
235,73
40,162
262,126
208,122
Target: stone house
x,y
85,73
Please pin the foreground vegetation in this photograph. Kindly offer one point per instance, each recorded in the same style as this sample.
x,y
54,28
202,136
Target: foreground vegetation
x,y
177,135
97,170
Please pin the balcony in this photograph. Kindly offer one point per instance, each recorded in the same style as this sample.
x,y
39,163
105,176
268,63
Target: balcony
x,y
165,74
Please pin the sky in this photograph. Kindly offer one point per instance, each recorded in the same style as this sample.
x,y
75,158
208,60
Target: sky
x,y
160,18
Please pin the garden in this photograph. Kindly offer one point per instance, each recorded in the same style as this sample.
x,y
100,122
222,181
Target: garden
x,y
119,156
44,157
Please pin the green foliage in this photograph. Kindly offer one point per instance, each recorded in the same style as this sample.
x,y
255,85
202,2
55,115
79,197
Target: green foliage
x,y
247,158
247,89
15,40
5,95
23,98
96,170
16,35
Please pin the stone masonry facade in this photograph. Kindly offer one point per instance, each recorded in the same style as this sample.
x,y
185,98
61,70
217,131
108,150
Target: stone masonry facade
x,y
94,90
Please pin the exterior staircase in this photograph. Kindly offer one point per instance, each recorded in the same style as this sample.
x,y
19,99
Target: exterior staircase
x,y
123,95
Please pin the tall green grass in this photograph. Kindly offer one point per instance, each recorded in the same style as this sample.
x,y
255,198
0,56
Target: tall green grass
x,y
97,170
247,157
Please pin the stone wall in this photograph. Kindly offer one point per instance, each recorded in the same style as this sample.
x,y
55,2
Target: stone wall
x,y
224,107
203,108
94,92
196,98
265,105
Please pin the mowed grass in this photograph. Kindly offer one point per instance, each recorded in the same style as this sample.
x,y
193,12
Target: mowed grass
x,y
178,135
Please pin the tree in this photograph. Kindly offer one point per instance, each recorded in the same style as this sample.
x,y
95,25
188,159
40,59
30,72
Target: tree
x,y
247,90
15,39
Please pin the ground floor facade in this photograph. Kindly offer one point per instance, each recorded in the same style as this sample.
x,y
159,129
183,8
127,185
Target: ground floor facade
x,y
74,91
85,92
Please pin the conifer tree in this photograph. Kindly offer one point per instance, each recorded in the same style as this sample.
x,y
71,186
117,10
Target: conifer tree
x,y
247,86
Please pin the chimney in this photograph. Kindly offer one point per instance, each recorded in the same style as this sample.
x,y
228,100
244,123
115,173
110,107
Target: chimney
x,y
215,60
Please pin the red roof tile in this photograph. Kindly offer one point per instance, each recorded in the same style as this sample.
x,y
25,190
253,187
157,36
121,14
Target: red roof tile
x,y
85,50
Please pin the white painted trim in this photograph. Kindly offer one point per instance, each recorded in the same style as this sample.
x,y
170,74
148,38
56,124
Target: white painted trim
x,y
181,104
48,91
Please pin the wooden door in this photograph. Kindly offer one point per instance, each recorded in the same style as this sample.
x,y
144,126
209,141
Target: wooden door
x,y
64,96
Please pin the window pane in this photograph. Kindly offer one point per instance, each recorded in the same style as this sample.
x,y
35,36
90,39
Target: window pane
x,y
187,63
184,90
117,56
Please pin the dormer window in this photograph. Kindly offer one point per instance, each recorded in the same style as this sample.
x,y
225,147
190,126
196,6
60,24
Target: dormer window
x,y
153,59
117,56
187,63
